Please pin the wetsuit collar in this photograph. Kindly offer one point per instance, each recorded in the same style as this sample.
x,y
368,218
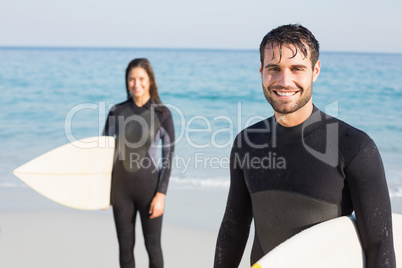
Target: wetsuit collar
x,y
297,133
137,109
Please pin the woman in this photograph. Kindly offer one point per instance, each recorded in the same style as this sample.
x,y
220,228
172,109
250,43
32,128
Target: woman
x,y
140,178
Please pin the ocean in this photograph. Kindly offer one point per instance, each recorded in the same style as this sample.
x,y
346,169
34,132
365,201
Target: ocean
x,y
50,96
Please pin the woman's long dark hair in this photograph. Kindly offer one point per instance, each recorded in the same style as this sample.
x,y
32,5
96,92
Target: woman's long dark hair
x,y
153,88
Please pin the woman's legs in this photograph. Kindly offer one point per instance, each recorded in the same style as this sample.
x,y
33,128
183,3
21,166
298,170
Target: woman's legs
x,y
129,195
152,229
124,212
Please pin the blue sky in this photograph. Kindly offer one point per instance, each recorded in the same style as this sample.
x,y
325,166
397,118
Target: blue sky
x,y
363,26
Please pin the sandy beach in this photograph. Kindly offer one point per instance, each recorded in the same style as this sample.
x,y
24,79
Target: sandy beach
x,y
36,232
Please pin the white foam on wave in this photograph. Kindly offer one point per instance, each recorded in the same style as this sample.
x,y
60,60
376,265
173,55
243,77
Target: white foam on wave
x,y
394,179
12,185
396,193
198,182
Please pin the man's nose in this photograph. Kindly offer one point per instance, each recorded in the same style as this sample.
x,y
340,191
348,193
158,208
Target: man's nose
x,y
285,78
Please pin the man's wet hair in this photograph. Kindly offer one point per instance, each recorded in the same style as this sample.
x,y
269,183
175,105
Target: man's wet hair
x,y
294,35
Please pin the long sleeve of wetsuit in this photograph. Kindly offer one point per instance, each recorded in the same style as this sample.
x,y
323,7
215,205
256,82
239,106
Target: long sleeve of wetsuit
x,y
168,140
369,193
235,227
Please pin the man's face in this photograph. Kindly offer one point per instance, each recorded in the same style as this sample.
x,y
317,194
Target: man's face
x,y
287,82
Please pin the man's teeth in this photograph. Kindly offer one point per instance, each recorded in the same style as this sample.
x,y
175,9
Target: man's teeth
x,y
285,93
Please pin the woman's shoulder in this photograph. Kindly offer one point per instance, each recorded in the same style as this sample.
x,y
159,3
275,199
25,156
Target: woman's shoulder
x,y
119,106
123,103
162,109
163,113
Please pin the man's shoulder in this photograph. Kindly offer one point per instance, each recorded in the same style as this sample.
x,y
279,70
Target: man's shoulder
x,y
346,131
263,125
350,139
256,132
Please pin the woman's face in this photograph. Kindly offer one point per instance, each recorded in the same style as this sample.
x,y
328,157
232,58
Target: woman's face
x,y
138,83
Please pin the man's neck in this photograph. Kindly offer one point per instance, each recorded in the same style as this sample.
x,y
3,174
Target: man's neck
x,y
295,118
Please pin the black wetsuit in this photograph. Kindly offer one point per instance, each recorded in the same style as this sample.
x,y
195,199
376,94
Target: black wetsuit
x,y
138,173
289,179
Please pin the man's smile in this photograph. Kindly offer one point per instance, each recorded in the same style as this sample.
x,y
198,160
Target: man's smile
x,y
285,93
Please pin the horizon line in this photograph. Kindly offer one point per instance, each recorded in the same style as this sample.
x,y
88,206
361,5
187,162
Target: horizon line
x,y
174,48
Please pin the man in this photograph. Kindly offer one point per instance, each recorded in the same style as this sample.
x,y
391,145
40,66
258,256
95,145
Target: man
x,y
301,166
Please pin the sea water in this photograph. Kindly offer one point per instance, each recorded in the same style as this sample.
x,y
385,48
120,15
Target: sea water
x,y
51,96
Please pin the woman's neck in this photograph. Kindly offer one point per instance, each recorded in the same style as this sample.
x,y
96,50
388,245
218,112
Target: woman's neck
x,y
141,101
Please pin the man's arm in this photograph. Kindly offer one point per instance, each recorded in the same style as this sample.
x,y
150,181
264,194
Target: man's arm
x,y
369,193
235,227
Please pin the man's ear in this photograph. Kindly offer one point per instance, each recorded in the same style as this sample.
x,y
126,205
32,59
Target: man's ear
x,y
316,70
261,69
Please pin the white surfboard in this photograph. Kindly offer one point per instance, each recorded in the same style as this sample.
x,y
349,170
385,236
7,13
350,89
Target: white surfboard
x,y
331,244
76,175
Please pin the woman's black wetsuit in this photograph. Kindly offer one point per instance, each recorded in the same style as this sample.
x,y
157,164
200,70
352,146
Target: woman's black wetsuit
x,y
138,173
289,179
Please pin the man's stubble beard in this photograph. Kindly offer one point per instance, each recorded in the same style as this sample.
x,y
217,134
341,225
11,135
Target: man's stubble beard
x,y
299,104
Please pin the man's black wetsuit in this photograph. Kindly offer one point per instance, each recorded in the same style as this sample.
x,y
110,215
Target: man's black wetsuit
x,y
138,173
289,179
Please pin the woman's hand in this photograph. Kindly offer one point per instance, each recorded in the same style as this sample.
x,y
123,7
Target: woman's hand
x,y
157,206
